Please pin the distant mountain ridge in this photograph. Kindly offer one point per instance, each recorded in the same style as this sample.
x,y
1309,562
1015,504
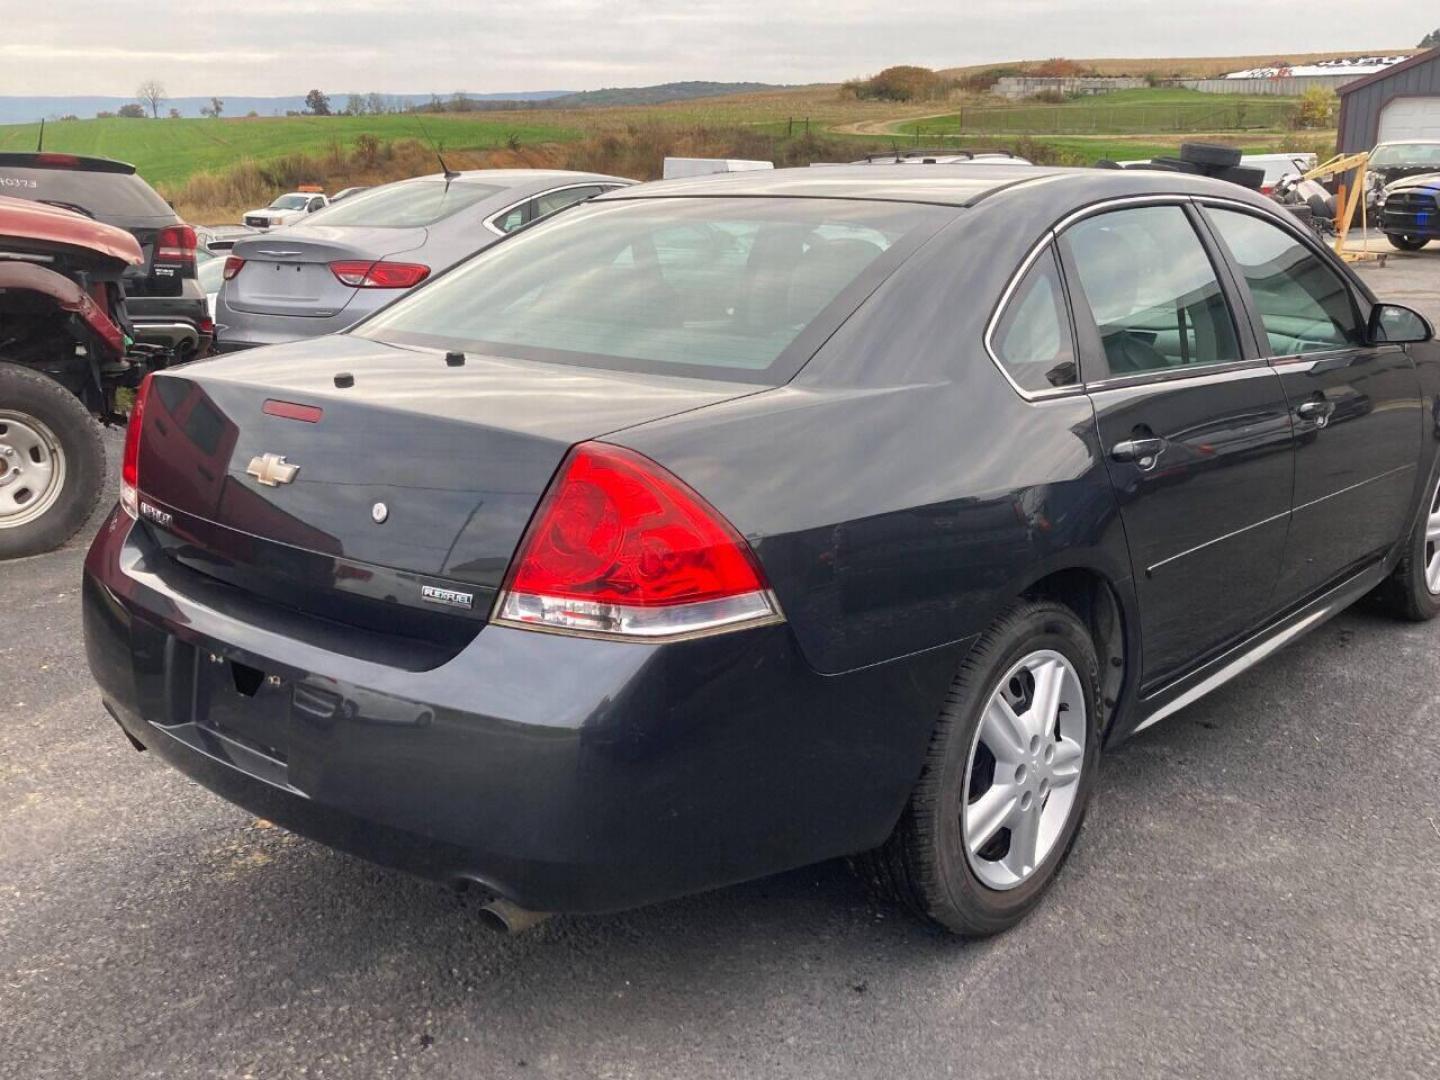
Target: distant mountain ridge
x,y
655,95
28,110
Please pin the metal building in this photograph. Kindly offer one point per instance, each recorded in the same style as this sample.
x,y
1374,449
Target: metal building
x,y
1401,102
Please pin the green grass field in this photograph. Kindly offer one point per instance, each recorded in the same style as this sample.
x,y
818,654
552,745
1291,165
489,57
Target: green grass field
x,y
1125,112
1132,124
1087,150
168,151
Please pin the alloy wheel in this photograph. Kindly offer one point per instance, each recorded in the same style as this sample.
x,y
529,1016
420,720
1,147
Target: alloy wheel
x,y
1023,774
1432,545
32,469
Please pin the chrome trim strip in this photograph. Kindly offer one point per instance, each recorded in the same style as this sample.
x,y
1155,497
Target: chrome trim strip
x,y
1352,487
1276,517
1228,536
1240,664
1194,375
774,617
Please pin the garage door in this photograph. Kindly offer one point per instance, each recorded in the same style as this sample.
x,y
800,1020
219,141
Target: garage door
x,y
1410,118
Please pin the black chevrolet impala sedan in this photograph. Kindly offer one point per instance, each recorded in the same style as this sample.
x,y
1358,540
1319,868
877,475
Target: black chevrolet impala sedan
x,y
716,527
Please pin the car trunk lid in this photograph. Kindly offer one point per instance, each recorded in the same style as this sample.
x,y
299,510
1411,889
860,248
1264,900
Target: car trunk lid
x,y
407,488
288,272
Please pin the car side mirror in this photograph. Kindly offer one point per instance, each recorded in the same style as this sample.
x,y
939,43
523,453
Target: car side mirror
x,y
1392,324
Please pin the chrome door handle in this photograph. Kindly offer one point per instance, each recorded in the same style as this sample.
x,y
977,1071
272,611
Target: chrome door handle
x,y
1317,410
1137,449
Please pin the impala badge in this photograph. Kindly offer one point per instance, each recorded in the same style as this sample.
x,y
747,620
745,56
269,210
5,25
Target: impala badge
x,y
272,470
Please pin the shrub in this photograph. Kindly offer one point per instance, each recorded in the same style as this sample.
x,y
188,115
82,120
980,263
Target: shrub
x,y
1048,97
1057,68
903,83
1316,109
640,150
367,150
1042,153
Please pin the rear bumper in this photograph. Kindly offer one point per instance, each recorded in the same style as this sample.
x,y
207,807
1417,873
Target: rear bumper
x,y
563,773
237,330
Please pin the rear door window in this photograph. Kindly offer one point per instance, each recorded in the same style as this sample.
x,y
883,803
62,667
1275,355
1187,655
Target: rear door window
x,y
1304,305
1032,340
1152,290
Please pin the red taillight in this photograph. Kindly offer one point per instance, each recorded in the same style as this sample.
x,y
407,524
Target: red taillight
x,y
363,274
233,265
175,244
64,160
620,547
130,462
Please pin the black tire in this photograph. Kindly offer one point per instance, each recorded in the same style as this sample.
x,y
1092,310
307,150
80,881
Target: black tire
x,y
1246,177
923,865
1406,594
1170,164
26,394
1321,207
1210,154
1406,243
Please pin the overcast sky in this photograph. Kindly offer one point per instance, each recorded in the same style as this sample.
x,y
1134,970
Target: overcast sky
x,y
273,47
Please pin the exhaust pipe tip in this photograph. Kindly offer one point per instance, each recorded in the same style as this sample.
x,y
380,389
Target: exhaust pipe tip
x,y
504,917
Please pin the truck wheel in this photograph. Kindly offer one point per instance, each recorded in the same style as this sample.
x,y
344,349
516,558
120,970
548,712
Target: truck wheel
x,y
52,463
1406,243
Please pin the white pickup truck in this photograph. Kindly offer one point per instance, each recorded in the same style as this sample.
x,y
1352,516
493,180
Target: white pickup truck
x,y
286,210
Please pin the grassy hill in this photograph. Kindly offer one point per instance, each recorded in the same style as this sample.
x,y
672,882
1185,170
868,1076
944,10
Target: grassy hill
x,y
166,152
1181,67
1124,112
653,95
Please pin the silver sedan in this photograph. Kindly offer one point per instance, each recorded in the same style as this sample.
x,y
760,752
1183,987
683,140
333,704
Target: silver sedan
x,y
351,259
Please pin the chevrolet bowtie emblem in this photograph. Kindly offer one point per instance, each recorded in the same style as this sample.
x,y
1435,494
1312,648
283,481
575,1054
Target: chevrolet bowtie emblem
x,y
272,470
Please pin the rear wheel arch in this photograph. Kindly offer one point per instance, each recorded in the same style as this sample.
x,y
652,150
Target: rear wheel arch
x,y
1097,602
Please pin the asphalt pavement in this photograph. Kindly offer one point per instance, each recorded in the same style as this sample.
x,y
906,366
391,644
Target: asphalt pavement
x,y
1256,893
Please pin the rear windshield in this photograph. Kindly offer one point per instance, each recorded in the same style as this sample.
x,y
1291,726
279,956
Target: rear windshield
x,y
1406,154
114,198
724,288
404,206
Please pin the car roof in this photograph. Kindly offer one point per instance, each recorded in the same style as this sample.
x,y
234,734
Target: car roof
x,y
958,185
517,177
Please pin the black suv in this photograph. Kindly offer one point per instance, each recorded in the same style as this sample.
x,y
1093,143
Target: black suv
x,y
163,297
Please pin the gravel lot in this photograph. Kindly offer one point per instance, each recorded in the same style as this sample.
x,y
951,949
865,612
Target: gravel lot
x,y
1256,893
